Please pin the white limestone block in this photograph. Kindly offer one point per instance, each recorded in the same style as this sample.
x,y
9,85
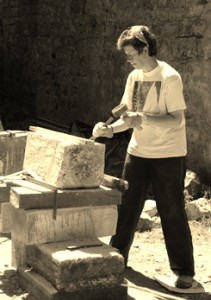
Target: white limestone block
x,y
12,145
5,217
65,161
36,226
91,264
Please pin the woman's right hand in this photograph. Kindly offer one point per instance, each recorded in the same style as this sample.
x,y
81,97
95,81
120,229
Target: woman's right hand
x,y
102,130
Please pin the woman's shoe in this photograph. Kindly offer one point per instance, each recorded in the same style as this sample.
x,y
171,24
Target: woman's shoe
x,y
184,282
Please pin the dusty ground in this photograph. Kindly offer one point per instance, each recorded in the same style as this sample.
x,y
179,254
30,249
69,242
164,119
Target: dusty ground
x,y
147,259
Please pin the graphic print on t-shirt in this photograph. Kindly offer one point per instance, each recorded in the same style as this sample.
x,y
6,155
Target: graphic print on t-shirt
x,y
146,96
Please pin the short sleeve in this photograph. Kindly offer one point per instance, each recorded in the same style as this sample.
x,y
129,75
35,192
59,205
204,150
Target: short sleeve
x,y
128,93
174,97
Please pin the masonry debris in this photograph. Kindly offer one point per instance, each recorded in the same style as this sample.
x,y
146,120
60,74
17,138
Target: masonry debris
x,y
197,204
59,195
59,198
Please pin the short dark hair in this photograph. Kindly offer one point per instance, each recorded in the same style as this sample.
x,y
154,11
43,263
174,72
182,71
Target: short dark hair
x,y
138,36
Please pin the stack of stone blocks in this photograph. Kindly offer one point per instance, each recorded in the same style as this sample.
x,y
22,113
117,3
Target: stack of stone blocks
x,y
12,145
57,244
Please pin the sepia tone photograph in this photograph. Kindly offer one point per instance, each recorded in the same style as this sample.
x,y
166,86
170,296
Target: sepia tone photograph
x,y
105,150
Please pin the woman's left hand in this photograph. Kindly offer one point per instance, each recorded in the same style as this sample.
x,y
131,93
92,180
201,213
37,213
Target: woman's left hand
x,y
132,119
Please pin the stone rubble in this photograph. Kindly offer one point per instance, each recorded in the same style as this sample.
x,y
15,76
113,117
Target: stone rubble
x,y
197,204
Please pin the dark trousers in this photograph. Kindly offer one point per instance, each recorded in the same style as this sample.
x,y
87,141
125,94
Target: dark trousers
x,y
166,176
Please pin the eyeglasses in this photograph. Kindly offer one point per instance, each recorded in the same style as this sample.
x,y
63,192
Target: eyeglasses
x,y
130,57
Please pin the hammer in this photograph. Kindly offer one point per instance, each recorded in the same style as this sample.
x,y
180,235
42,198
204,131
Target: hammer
x,y
115,183
117,111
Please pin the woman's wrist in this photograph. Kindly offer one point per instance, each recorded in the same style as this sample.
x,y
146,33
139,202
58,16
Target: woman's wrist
x,y
111,130
143,117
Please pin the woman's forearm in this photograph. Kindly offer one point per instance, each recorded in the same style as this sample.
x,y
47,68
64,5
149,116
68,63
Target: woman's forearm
x,y
119,126
171,120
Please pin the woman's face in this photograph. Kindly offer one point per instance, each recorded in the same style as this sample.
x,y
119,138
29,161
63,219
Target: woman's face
x,y
135,58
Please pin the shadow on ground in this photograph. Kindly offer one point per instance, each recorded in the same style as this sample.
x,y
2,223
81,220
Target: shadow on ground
x,y
142,287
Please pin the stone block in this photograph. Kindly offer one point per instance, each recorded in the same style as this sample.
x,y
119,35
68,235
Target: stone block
x,y
4,193
18,253
64,161
38,226
5,217
40,288
12,145
91,264
39,197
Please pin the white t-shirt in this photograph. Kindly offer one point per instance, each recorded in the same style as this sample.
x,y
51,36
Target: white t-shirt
x,y
158,92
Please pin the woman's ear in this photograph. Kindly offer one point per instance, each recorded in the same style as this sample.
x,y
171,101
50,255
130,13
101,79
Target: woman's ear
x,y
145,50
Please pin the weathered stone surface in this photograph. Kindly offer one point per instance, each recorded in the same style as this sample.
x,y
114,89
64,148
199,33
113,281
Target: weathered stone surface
x,y
144,223
64,162
18,257
5,217
4,193
192,185
12,145
150,208
194,189
38,226
30,198
198,209
74,270
40,288
156,222
32,227
62,93
37,285
146,220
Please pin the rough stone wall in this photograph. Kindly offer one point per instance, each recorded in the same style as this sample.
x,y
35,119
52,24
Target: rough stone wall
x,y
61,62
79,74
19,65
1,49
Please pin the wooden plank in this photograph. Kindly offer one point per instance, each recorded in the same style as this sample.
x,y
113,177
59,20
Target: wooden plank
x,y
33,196
13,133
37,225
40,288
28,185
37,285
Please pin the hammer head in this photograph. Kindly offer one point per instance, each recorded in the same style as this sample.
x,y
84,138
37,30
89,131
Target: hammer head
x,y
119,110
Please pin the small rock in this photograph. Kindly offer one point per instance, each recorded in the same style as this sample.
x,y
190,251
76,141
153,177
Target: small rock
x,y
9,273
144,223
150,208
20,291
25,296
157,269
198,208
192,185
156,222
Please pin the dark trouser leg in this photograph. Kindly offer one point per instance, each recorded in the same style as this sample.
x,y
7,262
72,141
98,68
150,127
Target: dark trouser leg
x,y
136,173
168,186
